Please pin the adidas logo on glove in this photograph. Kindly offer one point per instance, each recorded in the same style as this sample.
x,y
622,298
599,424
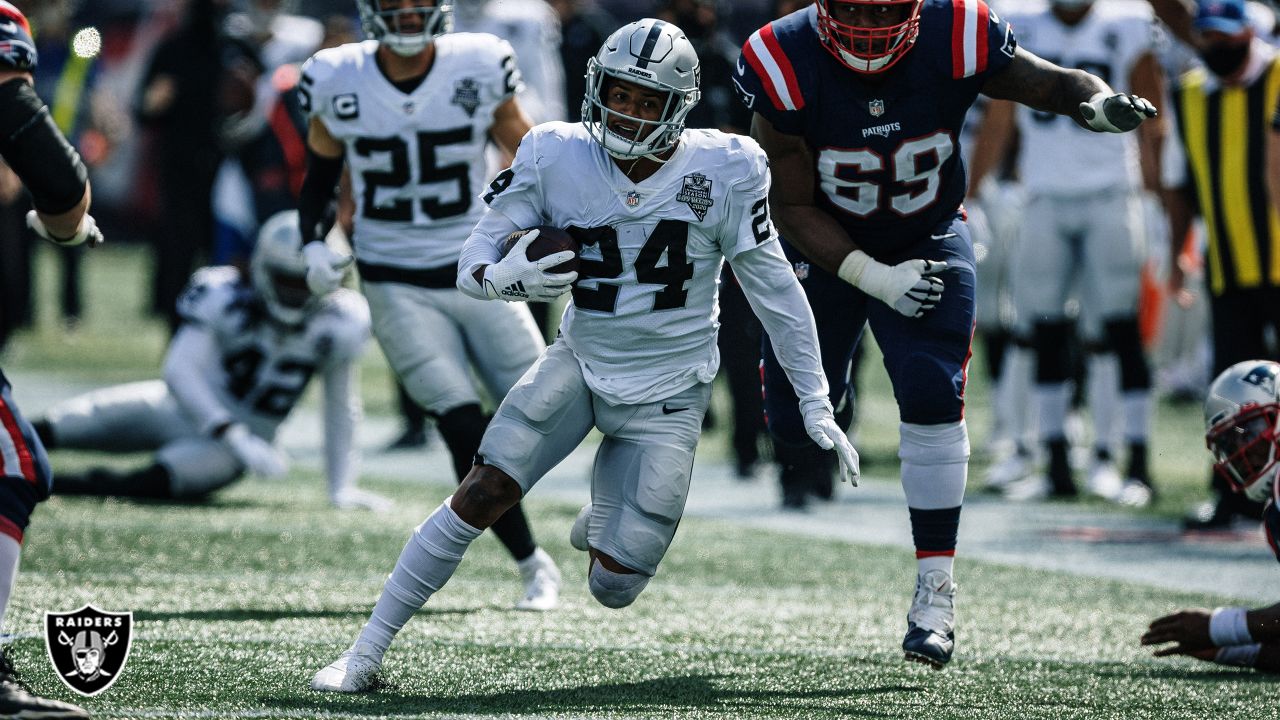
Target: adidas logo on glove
x,y
515,290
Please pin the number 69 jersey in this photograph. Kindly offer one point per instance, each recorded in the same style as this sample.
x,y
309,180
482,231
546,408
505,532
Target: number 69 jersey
x,y
886,147
416,159
261,367
643,317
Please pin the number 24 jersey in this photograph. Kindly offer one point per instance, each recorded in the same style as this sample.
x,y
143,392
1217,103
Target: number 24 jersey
x,y
643,317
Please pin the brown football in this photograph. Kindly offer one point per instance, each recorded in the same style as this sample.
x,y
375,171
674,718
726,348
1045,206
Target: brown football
x,y
550,240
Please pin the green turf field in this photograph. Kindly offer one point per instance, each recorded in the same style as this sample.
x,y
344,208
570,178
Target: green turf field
x,y
238,602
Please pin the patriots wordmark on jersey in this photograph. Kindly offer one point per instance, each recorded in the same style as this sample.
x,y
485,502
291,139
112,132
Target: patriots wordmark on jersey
x,y
643,315
416,158
888,162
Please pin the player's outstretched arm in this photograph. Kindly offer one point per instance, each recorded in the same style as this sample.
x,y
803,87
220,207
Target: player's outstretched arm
x,y
1038,83
510,123
1228,636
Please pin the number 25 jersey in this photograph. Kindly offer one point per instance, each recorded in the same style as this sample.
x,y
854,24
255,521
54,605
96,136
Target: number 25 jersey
x,y
886,146
417,158
643,318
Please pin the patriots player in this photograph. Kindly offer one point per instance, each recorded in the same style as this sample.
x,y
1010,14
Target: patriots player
x,y
410,110
1242,421
1084,223
242,357
657,209
859,104
53,173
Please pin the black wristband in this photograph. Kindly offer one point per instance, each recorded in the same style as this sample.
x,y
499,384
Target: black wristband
x,y
37,151
317,193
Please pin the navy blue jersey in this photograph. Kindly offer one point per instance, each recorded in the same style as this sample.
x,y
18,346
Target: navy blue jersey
x,y
886,146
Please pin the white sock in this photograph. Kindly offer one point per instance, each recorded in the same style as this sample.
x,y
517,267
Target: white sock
x,y
1053,400
1137,415
936,562
10,551
425,565
1013,400
1104,398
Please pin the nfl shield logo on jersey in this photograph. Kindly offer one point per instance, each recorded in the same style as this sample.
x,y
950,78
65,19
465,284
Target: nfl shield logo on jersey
x,y
802,270
876,107
88,647
633,198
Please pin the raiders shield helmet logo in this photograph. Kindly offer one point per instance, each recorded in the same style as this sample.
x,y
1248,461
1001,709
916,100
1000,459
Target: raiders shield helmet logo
x,y
88,647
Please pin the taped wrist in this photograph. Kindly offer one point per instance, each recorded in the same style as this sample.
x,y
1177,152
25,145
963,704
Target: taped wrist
x,y
318,188
1239,655
32,145
1229,626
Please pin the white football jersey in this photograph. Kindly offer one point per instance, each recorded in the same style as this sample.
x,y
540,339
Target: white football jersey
x,y
265,366
416,159
1057,156
643,317
533,29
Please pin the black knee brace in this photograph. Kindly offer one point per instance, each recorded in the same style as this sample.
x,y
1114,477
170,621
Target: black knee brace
x,y
1052,342
1123,335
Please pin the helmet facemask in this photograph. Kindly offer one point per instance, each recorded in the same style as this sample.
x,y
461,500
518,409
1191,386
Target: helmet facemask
x,y
653,55
406,31
279,270
1244,448
870,48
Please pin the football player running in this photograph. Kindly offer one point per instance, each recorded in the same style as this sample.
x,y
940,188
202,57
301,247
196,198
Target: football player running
x,y
858,104
245,351
657,209
1242,422
410,110
1084,225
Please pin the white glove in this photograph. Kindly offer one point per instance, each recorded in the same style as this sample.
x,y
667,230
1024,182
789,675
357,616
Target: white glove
x,y
353,498
325,267
516,278
912,287
258,455
86,231
820,423
1116,113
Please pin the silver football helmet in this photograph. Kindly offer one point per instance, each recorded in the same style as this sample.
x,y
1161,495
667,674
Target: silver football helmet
x,y
405,26
1241,414
654,54
279,270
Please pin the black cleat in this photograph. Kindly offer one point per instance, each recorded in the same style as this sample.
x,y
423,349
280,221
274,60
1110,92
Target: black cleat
x,y
928,647
17,700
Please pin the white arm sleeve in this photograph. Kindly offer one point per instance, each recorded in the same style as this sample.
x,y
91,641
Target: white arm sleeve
x,y
778,300
342,411
482,248
193,374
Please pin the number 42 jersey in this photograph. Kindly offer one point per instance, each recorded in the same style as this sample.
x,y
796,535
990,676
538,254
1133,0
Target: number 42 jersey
x,y
417,158
886,146
643,318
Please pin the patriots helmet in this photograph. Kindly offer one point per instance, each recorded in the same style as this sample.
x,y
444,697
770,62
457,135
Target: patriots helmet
x,y
279,270
653,54
407,27
868,36
17,49
1241,413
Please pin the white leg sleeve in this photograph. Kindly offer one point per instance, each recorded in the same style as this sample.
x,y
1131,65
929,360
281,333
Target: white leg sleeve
x,y
935,464
1104,398
425,565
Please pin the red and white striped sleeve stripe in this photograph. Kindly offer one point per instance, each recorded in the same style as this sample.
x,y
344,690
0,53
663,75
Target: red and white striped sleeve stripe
x,y
766,57
969,24
15,457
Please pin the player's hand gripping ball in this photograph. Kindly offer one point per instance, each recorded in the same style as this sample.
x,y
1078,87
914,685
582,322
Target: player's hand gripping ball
x,y
550,240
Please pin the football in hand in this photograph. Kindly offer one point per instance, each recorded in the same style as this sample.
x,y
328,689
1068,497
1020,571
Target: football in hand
x,y
550,240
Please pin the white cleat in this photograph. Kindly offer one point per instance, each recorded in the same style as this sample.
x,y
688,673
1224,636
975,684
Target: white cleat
x,y
541,582
356,670
578,533
931,621
1014,467
1135,494
1036,487
1105,481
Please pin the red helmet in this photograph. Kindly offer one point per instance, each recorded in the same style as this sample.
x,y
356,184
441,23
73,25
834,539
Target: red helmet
x,y
868,48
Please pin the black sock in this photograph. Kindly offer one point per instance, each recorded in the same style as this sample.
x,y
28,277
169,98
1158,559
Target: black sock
x,y
149,482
